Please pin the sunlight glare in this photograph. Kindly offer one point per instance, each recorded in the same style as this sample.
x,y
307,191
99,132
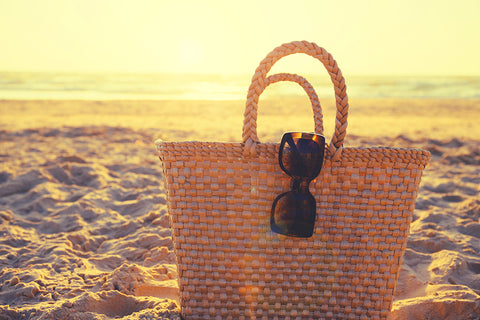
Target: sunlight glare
x,y
190,53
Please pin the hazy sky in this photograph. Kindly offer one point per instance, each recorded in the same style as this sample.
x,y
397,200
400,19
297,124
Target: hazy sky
x,y
380,36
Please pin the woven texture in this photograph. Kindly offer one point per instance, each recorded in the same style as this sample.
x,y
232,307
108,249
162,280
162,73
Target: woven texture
x,y
231,265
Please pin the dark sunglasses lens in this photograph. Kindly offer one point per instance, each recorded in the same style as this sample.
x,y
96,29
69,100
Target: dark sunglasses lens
x,y
302,159
293,214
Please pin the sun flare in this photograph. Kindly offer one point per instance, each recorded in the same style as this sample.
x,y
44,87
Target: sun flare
x,y
190,52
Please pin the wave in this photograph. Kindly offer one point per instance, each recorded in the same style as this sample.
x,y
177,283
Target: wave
x,y
121,86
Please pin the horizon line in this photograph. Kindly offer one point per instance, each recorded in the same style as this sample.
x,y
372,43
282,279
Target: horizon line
x,y
234,74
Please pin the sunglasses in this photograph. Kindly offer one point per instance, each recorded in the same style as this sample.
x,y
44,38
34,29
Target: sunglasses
x,y
301,157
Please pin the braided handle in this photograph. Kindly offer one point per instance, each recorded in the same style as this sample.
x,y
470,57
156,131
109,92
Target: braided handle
x,y
257,85
317,108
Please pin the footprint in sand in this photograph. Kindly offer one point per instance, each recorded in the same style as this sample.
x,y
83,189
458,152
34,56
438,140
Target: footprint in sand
x,y
4,176
20,184
474,267
471,208
471,229
446,187
453,198
83,176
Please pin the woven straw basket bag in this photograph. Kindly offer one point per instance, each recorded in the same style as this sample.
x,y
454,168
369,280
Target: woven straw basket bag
x,y
232,266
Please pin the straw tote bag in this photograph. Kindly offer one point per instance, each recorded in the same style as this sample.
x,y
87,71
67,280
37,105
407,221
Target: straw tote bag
x,y
232,266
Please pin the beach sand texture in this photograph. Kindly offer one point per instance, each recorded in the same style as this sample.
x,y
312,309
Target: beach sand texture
x,y
84,229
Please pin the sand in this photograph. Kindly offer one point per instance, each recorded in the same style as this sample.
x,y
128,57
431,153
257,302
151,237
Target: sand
x,y
84,231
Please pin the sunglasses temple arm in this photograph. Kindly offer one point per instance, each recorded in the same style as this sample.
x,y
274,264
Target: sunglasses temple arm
x,y
291,143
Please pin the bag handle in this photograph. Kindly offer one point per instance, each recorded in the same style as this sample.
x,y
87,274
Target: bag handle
x,y
250,138
317,108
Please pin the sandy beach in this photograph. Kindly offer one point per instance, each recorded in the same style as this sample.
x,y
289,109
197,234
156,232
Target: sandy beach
x,y
84,229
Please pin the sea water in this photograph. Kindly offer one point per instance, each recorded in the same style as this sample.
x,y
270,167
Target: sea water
x,y
121,86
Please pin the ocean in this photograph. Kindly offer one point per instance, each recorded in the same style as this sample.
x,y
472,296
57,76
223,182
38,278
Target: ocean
x,y
122,86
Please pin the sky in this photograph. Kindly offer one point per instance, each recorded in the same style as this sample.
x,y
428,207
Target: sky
x,y
412,37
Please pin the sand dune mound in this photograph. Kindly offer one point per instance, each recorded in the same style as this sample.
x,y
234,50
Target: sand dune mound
x,y
81,234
